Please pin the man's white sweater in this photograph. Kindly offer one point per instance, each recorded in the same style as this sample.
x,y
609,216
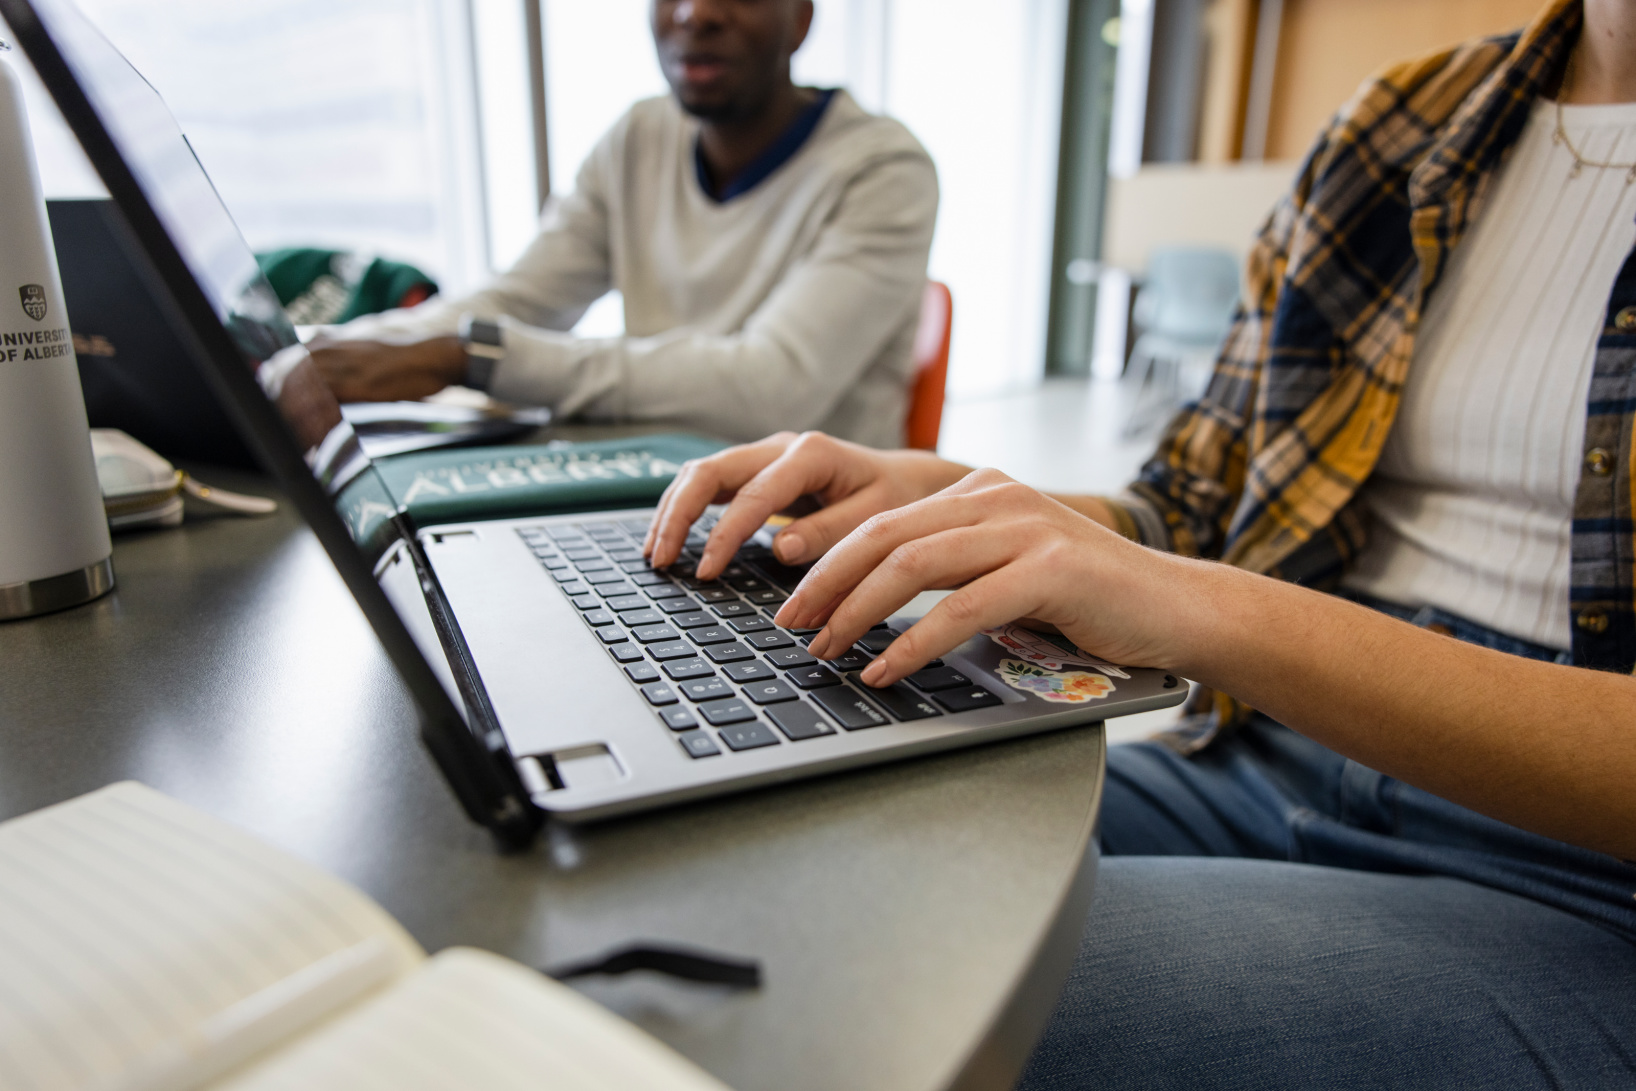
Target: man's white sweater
x,y
790,306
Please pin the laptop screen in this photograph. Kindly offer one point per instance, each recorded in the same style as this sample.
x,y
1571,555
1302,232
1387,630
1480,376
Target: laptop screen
x,y
250,352
158,155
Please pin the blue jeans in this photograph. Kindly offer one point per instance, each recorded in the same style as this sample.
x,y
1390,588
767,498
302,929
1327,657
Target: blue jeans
x,y
1271,915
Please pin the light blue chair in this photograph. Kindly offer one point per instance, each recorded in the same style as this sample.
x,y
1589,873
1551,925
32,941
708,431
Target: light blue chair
x,y
1184,308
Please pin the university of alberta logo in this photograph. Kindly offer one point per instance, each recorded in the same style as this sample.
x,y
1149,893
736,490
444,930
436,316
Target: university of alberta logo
x,y
33,300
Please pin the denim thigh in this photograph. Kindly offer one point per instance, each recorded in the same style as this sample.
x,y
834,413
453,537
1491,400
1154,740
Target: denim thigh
x,y
1270,793
1241,974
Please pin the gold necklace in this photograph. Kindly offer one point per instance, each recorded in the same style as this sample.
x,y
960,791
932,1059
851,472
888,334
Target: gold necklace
x,y
1561,136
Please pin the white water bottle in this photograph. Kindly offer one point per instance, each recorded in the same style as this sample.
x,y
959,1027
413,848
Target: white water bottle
x,y
54,546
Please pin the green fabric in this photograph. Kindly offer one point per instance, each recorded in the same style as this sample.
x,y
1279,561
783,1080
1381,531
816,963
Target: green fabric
x,y
330,286
463,483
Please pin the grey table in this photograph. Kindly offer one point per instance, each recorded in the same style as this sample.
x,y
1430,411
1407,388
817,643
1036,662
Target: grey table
x,y
914,922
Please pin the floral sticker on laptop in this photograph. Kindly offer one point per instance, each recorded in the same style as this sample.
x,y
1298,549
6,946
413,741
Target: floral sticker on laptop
x,y
1052,653
1069,687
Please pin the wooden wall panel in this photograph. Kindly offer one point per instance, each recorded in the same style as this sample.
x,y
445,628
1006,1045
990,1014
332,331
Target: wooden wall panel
x,y
1328,47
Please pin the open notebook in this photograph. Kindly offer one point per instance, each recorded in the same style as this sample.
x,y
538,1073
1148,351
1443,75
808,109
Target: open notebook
x,y
145,946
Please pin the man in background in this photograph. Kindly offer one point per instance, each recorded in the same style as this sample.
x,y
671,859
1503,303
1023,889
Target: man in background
x,y
769,240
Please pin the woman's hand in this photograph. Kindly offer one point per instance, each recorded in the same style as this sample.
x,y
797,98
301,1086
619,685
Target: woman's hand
x,y
763,478
1012,553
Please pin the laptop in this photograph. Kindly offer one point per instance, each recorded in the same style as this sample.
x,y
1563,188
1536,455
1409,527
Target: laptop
x,y
136,375
556,674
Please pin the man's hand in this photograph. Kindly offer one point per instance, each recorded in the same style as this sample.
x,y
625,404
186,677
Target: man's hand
x,y
763,478
373,371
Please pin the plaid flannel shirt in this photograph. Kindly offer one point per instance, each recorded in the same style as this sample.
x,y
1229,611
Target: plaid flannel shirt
x,y
1264,470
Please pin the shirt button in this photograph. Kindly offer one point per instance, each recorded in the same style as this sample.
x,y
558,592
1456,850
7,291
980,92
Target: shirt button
x,y
1625,320
1599,461
1593,619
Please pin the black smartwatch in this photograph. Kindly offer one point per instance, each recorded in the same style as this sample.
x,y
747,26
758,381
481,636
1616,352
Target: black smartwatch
x,y
484,345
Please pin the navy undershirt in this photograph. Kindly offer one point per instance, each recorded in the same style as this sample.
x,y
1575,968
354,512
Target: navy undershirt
x,y
780,152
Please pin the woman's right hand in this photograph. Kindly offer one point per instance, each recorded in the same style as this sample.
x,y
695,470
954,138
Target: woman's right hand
x,y
763,478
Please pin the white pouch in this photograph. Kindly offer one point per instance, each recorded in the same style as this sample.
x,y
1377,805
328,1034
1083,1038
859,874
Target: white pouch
x,y
141,489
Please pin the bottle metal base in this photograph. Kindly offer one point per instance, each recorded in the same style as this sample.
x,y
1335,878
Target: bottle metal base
x,y
20,600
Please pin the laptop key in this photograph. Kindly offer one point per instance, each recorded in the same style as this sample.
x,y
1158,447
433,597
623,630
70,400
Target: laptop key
x,y
749,624
630,564
659,693
647,579
767,641
770,692
634,618
714,594
904,703
935,678
634,526
586,602
752,670
680,670
621,603
674,649
733,609
611,634
706,689
964,700
653,634
699,744
599,617
663,591
614,590
729,710
848,709
642,672
768,597
789,658
680,719
729,653
875,641
607,575
693,619
813,677
799,721
746,584
681,604
598,565
626,652
851,660
553,563
565,575
748,736
586,554
715,634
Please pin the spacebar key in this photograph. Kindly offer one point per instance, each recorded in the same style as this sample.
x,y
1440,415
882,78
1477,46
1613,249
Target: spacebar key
x,y
849,710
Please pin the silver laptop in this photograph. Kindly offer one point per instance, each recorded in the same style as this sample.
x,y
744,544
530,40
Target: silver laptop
x,y
555,672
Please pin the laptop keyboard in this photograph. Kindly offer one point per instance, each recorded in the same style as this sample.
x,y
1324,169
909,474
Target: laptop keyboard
x,y
705,654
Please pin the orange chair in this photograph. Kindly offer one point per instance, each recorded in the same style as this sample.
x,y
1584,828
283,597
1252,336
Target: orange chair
x,y
931,356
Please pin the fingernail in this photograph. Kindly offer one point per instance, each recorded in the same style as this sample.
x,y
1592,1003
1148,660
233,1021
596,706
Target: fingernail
x,y
820,644
789,547
785,616
873,673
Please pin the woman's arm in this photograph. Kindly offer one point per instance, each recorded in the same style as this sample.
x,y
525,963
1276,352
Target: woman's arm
x,y
1545,747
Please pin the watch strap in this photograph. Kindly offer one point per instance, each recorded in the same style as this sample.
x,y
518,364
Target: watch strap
x,y
484,345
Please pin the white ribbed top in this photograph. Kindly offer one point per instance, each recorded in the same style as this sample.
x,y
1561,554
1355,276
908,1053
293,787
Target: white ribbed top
x,y
1473,496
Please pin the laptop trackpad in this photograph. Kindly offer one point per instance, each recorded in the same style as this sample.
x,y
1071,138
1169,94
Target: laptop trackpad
x,y
587,767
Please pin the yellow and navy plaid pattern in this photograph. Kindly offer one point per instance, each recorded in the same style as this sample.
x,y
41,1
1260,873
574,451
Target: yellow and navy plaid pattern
x,y
1263,471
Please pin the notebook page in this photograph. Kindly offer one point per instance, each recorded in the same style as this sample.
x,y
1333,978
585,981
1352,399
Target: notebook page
x,y
469,1019
128,920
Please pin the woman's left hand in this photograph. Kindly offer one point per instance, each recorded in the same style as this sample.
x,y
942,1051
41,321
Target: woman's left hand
x,y
1011,553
